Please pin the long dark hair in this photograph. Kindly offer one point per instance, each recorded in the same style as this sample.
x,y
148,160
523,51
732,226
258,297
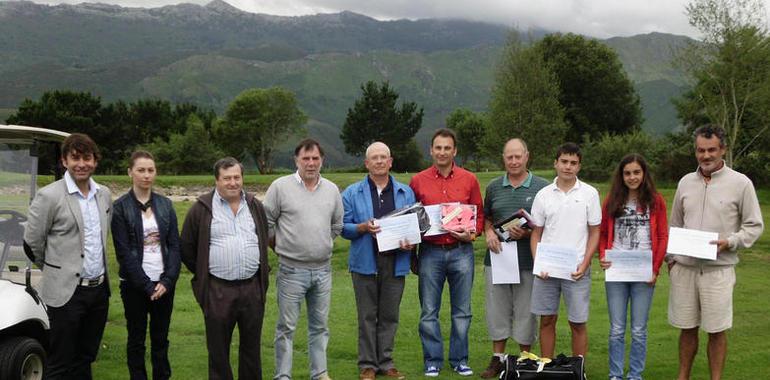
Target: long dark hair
x,y
616,199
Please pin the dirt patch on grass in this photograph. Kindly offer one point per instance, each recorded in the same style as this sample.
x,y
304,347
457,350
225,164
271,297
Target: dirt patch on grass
x,y
186,193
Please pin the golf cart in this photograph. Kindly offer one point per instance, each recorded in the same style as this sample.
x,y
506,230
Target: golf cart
x,y
24,322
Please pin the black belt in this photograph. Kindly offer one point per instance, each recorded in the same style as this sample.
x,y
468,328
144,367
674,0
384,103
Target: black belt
x,y
445,247
91,282
234,282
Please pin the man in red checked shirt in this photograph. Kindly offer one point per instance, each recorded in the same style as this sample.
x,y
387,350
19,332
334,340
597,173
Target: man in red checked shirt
x,y
447,257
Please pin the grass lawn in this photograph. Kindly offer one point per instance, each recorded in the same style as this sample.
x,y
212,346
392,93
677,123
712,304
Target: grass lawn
x,y
749,340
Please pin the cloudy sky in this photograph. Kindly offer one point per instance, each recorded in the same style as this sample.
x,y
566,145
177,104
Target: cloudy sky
x,y
598,18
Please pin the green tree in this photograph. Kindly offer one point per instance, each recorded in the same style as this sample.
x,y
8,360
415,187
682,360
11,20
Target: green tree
x,y
258,120
524,104
605,152
731,72
116,127
191,152
594,90
376,117
71,111
470,128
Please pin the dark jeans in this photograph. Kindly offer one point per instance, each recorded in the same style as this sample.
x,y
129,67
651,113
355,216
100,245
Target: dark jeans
x,y
232,302
378,298
137,306
76,333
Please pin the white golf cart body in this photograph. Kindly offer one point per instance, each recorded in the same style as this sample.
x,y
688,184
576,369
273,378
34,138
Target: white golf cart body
x,y
24,322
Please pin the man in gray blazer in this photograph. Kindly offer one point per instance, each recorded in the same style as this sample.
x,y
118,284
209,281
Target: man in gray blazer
x,y
67,233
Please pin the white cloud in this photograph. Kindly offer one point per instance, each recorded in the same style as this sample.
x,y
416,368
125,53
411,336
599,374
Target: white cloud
x,y
599,18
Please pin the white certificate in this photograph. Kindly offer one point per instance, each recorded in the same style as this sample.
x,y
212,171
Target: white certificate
x,y
628,266
394,229
434,214
505,265
694,243
558,261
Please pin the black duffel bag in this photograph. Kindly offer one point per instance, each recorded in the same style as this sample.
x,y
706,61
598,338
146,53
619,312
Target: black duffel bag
x,y
530,367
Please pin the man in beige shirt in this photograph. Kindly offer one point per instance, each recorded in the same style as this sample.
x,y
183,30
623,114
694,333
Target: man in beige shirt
x,y
714,198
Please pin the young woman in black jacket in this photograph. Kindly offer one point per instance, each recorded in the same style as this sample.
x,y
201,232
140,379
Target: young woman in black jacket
x,y
146,238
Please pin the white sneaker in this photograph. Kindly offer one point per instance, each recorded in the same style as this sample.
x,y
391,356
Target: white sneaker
x,y
463,370
432,371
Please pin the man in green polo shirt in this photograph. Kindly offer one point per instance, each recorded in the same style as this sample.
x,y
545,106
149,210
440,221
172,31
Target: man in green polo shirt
x,y
508,305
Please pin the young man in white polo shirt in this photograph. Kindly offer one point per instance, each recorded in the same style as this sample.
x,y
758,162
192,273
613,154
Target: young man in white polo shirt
x,y
565,213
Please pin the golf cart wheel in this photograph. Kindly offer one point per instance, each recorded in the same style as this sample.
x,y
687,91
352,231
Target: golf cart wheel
x,y
21,358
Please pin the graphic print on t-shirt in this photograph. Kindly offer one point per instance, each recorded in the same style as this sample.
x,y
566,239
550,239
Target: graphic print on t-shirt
x,y
632,229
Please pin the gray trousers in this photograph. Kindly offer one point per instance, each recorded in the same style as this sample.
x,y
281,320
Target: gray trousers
x,y
378,298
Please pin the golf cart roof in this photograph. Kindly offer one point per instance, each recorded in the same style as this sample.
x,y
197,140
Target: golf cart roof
x,y
32,133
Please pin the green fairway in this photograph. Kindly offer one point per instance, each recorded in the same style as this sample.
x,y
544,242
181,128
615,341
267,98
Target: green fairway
x,y
749,341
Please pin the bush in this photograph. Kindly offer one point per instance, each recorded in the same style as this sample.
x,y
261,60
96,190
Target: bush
x,y
676,157
600,157
756,165
190,153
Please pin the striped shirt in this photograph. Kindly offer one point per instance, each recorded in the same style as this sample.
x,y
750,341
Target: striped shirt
x,y
503,199
233,247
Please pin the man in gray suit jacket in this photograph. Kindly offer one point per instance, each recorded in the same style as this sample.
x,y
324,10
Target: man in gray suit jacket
x,y
67,233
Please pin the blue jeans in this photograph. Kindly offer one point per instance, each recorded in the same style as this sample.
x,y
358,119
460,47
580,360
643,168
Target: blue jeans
x,y
618,296
293,286
436,266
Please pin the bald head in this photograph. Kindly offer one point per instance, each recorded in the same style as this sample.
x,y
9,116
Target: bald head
x,y
378,160
379,147
516,157
515,143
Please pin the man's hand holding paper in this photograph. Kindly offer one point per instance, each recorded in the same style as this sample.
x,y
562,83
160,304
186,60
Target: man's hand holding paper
x,y
397,231
552,260
693,243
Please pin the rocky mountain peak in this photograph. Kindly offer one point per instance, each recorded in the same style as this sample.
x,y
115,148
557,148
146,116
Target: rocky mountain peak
x,y
222,7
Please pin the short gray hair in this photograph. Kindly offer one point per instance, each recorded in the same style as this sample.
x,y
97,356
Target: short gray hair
x,y
709,130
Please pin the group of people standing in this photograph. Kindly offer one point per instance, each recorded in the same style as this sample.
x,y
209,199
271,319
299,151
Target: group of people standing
x,y
227,232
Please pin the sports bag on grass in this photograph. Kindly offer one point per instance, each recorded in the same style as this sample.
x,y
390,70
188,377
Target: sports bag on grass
x,y
530,367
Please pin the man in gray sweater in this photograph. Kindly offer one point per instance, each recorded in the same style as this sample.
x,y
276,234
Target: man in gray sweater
x,y
304,215
714,198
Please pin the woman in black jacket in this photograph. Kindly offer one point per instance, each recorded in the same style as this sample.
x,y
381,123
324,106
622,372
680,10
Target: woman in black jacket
x,y
146,238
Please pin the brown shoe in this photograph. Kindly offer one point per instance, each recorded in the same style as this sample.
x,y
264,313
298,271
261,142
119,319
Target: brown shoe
x,y
367,374
394,374
494,368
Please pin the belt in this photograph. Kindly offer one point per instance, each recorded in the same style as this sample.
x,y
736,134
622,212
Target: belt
x,y
445,247
91,282
234,282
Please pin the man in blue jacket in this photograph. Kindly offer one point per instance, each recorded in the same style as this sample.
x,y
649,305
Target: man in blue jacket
x,y
378,277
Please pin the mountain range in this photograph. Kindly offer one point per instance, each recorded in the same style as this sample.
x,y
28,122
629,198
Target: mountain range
x,y
208,54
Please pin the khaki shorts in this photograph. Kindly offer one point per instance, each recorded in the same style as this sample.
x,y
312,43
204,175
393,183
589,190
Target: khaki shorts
x,y
508,309
701,297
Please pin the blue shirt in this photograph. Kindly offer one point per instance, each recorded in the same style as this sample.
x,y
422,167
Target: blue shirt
x,y
358,209
93,249
234,245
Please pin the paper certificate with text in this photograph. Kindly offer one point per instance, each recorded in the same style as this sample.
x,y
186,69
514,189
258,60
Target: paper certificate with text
x,y
505,265
395,229
628,266
558,261
693,243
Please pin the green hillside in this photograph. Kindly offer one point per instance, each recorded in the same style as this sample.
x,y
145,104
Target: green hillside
x,y
209,54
